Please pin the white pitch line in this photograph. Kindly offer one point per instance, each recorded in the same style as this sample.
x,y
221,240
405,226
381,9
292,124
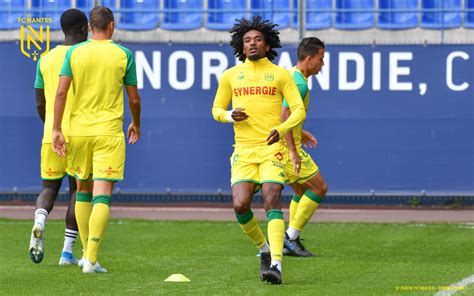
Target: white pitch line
x,y
463,283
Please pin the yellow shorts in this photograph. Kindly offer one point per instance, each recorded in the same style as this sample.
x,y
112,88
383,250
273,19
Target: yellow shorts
x,y
259,164
103,157
53,167
307,171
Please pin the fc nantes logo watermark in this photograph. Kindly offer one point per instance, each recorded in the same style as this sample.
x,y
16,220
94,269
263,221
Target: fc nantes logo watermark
x,y
269,77
34,42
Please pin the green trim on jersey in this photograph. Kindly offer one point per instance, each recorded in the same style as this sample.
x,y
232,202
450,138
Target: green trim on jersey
x,y
302,85
39,82
66,68
107,179
245,180
131,71
273,181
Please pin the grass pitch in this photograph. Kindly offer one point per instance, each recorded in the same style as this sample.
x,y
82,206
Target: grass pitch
x,y
353,259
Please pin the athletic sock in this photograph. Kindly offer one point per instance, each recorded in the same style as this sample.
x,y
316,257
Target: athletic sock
x,y
276,234
40,217
97,224
249,224
307,206
294,206
69,239
83,210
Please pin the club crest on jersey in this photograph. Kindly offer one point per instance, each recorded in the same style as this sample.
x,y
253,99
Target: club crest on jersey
x,y
241,76
269,77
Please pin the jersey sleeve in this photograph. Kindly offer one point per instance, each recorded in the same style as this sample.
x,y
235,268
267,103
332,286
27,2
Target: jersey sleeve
x,y
302,88
131,70
293,98
222,99
66,68
39,82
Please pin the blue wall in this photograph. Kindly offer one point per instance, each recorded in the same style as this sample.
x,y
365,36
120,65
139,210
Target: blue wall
x,y
384,131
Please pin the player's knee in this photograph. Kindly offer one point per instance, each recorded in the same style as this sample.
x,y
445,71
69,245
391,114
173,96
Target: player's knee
x,y
241,208
322,190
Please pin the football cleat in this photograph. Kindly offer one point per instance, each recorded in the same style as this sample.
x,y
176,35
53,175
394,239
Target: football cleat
x,y
296,248
37,244
272,275
92,268
67,259
265,262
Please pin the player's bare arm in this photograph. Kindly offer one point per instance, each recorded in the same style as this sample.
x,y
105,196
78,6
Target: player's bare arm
x,y
290,142
308,140
134,102
59,143
40,103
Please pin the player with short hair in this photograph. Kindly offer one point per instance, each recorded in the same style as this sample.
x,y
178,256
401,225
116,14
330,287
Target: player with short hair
x,y
98,70
54,168
256,89
306,179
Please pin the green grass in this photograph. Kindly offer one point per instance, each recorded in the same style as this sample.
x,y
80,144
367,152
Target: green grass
x,y
353,259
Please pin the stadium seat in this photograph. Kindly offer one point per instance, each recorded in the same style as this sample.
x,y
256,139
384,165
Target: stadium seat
x,y
86,6
182,20
11,11
315,20
50,9
353,20
439,19
222,13
469,17
398,20
277,11
146,18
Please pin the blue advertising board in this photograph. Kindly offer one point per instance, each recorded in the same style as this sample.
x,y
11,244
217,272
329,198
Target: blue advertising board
x,y
387,118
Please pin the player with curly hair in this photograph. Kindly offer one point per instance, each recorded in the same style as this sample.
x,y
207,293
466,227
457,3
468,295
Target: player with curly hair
x,y
256,89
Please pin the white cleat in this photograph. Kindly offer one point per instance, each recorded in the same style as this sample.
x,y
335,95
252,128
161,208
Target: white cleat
x,y
92,268
67,259
80,263
37,244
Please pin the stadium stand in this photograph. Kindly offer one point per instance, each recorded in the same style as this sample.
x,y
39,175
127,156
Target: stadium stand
x,y
335,21
182,20
10,11
275,10
349,18
435,15
398,14
222,13
318,15
144,17
469,16
50,9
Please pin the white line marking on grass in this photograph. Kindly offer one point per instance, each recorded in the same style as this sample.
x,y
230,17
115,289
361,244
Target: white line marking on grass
x,y
453,288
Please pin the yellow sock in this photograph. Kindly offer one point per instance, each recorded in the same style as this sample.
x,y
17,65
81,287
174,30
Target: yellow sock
x,y
294,206
276,233
308,204
249,224
97,224
82,210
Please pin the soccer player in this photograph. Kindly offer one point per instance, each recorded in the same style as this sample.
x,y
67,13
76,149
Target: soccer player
x,y
256,89
306,179
98,70
53,168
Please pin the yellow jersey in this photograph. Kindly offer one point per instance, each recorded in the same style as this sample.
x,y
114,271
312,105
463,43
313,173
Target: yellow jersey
x,y
259,87
99,70
47,78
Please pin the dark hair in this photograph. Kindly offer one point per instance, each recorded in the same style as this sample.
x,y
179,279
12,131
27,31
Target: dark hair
x,y
73,21
101,17
308,47
244,25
